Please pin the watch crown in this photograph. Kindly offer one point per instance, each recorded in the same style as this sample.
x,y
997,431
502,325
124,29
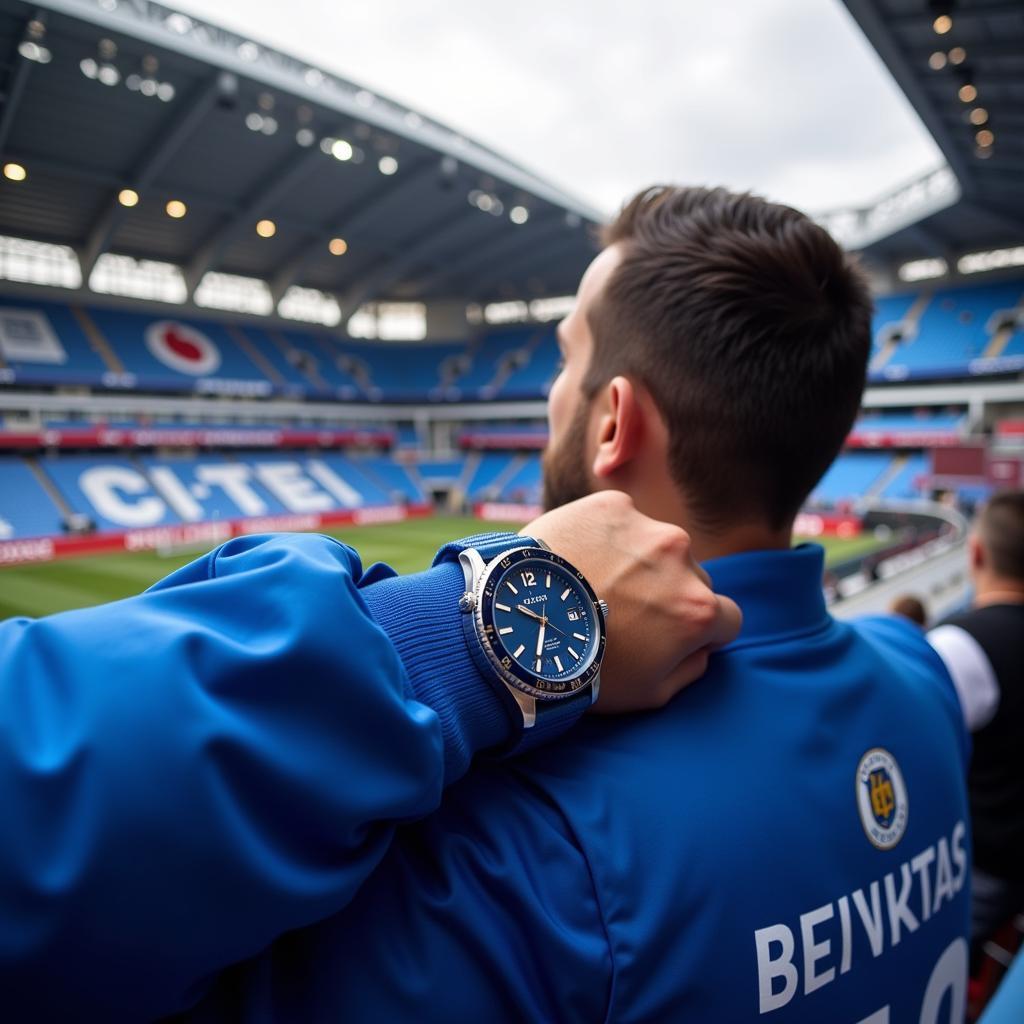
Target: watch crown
x,y
467,602
603,605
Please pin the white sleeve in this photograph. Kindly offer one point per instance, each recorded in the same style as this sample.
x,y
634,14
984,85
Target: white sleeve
x,y
972,673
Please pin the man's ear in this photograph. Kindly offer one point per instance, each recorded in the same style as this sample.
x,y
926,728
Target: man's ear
x,y
620,427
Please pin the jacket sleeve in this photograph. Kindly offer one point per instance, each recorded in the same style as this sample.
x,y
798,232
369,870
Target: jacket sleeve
x,y
187,774
485,911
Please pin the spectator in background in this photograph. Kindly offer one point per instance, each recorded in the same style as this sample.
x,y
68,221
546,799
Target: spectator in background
x,y
983,648
910,607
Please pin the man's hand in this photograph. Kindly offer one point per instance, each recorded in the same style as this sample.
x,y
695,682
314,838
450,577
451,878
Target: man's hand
x,y
664,620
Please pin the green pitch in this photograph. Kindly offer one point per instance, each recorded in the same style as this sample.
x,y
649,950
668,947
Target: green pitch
x,y
77,582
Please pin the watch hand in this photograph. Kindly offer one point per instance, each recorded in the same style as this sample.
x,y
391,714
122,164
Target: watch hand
x,y
540,636
532,614
539,618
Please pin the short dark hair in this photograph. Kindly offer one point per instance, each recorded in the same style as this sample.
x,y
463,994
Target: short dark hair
x,y
1001,524
751,329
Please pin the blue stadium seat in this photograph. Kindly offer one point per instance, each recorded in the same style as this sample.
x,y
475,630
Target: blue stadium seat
x,y
391,476
851,475
953,331
902,487
126,334
440,470
114,492
490,467
536,376
26,510
524,486
82,364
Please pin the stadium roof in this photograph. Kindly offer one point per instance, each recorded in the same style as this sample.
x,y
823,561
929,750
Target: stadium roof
x,y
103,96
961,65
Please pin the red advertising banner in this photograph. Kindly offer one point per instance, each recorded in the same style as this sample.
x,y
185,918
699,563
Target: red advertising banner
x,y
194,437
813,524
48,549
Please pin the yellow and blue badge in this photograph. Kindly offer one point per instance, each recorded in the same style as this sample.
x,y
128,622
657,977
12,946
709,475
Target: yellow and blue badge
x,y
881,798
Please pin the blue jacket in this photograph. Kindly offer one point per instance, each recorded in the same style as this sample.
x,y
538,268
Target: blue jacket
x,y
188,774
787,841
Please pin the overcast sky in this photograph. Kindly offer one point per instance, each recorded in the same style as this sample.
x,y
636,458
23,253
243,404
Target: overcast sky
x,y
603,97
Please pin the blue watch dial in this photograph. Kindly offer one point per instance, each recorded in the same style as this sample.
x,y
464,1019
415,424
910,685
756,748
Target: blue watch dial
x,y
541,621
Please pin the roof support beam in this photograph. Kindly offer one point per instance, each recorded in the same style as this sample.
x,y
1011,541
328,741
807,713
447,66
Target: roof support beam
x,y
484,289
18,81
878,29
353,220
959,13
168,143
283,180
390,271
505,243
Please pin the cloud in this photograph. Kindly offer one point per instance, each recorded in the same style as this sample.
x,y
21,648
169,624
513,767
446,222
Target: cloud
x,y
603,97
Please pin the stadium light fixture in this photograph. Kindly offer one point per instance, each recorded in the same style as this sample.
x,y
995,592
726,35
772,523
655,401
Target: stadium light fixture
x,y
254,121
15,172
337,246
176,209
942,24
992,259
984,138
957,55
968,93
937,61
305,137
978,116
519,215
35,52
165,92
89,67
387,165
341,150
266,229
923,270
108,75
128,197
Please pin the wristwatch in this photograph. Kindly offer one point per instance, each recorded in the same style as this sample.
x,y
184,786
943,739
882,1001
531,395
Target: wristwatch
x,y
533,625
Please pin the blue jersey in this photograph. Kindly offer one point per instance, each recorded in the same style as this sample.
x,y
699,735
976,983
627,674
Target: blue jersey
x,y
787,841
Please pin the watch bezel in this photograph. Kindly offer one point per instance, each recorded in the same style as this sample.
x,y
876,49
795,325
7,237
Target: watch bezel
x,y
513,673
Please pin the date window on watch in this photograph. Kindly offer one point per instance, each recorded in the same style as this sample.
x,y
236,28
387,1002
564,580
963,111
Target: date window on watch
x,y
573,615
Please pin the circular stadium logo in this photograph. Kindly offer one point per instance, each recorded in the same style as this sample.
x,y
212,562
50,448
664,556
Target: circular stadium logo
x,y
182,348
881,798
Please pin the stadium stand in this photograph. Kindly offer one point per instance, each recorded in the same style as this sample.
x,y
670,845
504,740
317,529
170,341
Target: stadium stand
x,y
486,480
440,470
903,485
116,493
948,333
852,474
26,507
54,348
954,332
523,487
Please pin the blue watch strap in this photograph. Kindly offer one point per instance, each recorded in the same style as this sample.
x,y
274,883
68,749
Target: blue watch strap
x,y
490,545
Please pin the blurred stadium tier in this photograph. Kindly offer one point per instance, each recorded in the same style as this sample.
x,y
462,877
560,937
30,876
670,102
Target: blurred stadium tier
x,y
240,293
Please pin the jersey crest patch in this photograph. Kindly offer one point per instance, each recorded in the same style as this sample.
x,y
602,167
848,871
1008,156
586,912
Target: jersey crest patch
x,y
881,798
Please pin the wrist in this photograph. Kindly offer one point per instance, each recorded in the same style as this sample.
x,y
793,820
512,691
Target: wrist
x,y
420,614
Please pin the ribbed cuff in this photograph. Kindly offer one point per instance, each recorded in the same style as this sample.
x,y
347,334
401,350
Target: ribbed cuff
x,y
421,616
